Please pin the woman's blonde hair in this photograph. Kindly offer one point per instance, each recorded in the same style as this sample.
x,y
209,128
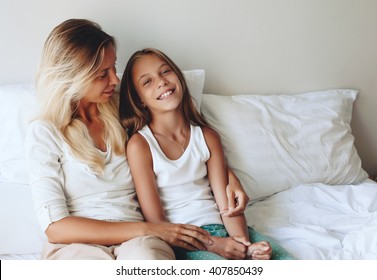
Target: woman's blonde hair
x,y
133,114
72,55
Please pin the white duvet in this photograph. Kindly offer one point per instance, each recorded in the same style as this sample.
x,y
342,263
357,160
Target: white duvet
x,y
317,221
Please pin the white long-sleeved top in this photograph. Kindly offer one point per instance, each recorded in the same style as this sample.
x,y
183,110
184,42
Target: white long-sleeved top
x,y
62,186
183,185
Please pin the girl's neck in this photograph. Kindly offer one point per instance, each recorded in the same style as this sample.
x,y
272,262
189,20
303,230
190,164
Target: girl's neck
x,y
168,123
172,135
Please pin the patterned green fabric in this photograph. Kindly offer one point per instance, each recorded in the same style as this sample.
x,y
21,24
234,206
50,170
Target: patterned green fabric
x,y
278,252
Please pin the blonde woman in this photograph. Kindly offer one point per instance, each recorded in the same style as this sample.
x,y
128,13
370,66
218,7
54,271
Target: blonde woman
x,y
80,179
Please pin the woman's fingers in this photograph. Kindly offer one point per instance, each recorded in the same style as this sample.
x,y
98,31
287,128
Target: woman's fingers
x,y
237,202
189,237
195,236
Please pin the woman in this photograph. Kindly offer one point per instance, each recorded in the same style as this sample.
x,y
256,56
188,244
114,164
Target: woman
x,y
80,180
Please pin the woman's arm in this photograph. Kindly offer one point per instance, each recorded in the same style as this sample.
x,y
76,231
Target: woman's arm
x,y
237,197
141,164
217,175
83,230
236,226
47,180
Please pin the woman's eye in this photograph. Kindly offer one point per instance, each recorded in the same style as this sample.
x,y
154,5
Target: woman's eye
x,y
166,71
103,76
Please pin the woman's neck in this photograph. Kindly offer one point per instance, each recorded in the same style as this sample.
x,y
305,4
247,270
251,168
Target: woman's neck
x,y
88,113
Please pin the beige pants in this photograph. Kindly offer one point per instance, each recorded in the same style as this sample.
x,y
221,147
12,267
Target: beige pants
x,y
140,248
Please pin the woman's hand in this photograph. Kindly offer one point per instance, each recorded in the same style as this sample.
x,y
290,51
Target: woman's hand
x,y
189,237
237,197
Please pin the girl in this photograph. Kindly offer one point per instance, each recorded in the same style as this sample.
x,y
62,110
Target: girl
x,y
177,161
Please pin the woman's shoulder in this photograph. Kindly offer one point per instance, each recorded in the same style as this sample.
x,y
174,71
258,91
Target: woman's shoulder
x,y
42,131
40,124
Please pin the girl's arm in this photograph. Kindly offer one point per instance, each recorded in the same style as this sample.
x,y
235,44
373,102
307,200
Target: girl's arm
x,y
141,165
218,179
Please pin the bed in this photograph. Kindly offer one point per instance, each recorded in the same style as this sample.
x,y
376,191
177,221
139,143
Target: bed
x,y
294,155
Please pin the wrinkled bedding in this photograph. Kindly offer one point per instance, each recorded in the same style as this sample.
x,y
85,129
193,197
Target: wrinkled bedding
x,y
317,221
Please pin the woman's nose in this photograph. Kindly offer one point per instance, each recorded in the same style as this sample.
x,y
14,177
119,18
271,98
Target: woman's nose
x,y
114,80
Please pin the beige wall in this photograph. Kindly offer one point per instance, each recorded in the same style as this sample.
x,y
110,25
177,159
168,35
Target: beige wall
x,y
245,46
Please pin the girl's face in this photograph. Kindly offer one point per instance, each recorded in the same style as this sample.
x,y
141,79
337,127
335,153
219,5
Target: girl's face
x,y
103,86
156,83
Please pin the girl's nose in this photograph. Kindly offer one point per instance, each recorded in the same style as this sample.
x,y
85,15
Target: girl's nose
x,y
162,82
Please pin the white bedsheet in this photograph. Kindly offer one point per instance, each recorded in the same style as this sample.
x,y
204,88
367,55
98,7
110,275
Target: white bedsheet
x,y
20,234
318,221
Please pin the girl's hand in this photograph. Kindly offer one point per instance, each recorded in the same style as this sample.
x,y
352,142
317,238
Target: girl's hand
x,y
259,251
228,247
189,237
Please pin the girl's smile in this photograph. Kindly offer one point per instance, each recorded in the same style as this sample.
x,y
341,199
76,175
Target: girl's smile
x,y
166,94
155,81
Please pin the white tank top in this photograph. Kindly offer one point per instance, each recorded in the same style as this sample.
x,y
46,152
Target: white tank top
x,y
183,184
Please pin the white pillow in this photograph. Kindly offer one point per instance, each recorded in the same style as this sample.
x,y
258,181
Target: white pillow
x,y
18,105
274,142
195,83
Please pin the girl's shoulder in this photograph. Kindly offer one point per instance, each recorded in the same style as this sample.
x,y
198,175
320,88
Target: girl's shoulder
x,y
137,143
209,132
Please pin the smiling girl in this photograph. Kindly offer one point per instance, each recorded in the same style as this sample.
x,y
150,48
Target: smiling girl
x,y
177,161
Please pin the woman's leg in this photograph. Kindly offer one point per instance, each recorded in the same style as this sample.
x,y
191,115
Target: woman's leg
x,y
76,251
144,248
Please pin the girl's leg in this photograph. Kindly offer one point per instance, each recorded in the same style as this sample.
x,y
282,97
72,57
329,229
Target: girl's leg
x,y
278,252
144,248
183,254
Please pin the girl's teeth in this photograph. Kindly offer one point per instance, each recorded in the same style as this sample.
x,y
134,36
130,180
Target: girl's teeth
x,y
165,94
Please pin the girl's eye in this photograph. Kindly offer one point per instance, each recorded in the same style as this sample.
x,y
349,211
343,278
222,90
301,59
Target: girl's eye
x,y
146,82
166,71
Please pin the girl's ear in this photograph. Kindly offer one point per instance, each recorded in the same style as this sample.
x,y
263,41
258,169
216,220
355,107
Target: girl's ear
x,y
141,102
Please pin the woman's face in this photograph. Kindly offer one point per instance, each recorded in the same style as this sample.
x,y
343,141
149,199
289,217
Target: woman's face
x,y
106,79
156,83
